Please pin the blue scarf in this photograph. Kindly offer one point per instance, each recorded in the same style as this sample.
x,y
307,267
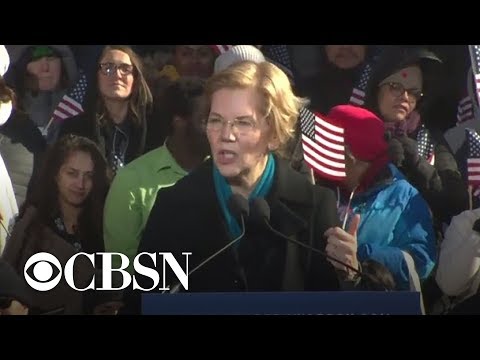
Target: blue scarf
x,y
224,191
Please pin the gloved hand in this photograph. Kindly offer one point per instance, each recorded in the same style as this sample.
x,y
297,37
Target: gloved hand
x,y
410,150
396,152
403,151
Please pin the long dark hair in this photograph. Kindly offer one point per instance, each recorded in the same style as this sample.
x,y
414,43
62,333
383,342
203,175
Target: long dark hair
x,y
45,194
140,99
139,103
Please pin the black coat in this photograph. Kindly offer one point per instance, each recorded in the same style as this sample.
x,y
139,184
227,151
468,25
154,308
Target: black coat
x,y
440,184
85,125
187,218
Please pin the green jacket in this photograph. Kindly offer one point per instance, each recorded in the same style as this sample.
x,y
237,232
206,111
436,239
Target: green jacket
x,y
131,198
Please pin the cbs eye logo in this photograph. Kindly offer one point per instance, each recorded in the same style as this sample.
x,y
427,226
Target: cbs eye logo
x,y
40,270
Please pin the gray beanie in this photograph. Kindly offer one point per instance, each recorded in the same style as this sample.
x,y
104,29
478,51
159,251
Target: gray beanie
x,y
237,54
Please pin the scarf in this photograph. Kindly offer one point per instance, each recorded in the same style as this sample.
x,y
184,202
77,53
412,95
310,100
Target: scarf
x,y
224,192
407,127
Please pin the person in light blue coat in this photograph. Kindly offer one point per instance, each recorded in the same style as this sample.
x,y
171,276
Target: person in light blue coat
x,y
395,220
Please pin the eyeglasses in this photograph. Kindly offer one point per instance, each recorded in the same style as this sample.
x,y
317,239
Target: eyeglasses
x,y
5,302
240,126
397,89
109,68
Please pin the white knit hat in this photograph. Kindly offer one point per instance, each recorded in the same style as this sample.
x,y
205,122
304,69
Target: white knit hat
x,y
4,60
237,54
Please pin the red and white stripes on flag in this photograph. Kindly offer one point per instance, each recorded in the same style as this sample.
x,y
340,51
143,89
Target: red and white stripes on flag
x,y
220,49
323,145
71,103
358,93
465,110
473,160
475,59
474,174
66,108
358,97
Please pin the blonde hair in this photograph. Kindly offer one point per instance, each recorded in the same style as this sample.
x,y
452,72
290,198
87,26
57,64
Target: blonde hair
x,y
278,104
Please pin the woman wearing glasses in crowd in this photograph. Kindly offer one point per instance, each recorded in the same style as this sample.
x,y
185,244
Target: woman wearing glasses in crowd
x,y
401,91
116,107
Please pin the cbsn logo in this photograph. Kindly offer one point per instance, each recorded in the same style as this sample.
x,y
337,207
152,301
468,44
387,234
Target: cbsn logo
x,y
44,265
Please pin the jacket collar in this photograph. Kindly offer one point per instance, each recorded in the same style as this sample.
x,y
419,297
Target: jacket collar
x,y
165,160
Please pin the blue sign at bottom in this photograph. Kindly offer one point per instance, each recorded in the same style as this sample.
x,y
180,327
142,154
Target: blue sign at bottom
x,y
283,303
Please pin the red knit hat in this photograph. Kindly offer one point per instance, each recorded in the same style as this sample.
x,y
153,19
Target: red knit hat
x,y
364,135
364,131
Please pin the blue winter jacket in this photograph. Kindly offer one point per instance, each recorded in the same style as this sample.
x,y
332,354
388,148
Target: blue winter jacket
x,y
395,217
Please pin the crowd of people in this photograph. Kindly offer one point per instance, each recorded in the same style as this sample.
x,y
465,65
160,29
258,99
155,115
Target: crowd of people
x,y
196,148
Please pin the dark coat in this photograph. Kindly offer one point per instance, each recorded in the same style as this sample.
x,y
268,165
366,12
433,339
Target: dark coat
x,y
28,238
333,86
85,125
187,218
440,184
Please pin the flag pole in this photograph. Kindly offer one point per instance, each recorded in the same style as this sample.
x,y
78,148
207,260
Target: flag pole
x,y
470,199
48,125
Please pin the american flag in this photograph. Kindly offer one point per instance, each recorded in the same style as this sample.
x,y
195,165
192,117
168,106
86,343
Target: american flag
x,y
465,110
475,58
473,160
323,145
220,49
71,103
279,55
425,145
358,93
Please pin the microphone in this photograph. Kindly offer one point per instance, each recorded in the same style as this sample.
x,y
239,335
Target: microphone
x,y
239,208
260,213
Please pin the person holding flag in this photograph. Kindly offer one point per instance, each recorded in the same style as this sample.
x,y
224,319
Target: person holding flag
x,y
348,151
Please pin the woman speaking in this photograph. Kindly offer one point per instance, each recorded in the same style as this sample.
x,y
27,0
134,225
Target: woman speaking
x,y
251,113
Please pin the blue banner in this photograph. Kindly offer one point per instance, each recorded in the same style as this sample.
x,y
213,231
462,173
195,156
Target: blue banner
x,y
283,303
